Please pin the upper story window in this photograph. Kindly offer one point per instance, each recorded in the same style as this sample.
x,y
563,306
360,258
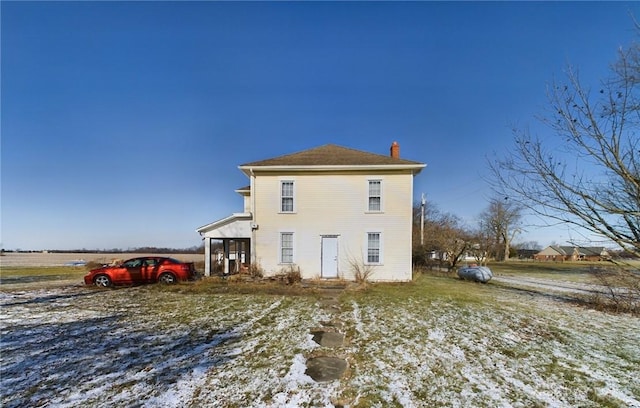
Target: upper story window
x,y
375,195
286,196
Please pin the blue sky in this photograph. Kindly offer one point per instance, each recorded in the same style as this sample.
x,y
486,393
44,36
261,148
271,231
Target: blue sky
x,y
123,123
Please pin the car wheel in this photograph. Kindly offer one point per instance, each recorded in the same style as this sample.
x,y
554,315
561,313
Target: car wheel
x,y
102,280
167,278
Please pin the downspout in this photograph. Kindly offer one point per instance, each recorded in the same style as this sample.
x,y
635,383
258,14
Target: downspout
x,y
253,218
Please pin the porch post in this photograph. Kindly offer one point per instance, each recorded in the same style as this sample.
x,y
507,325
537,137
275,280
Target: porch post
x,y
207,256
247,257
225,245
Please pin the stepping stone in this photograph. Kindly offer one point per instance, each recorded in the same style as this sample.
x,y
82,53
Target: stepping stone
x,y
323,369
337,288
330,302
328,338
335,325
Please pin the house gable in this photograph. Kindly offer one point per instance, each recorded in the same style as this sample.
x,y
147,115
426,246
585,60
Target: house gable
x,y
235,226
550,251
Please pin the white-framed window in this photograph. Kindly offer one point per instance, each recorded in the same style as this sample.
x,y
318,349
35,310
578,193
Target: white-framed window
x,y
287,196
374,248
286,247
374,195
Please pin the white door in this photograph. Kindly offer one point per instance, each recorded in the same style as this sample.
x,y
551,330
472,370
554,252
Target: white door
x,y
329,257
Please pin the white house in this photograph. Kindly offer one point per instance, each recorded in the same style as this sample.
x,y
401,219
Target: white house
x,y
323,210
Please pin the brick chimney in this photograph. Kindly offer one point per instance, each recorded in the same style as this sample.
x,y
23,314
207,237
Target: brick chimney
x,y
395,150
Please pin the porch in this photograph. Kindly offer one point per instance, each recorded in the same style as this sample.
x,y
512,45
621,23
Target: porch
x,y
235,233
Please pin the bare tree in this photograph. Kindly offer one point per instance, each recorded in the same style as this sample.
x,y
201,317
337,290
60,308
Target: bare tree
x,y
528,245
446,240
501,221
481,246
589,174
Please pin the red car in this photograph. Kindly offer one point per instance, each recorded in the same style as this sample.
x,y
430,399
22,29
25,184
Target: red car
x,y
142,270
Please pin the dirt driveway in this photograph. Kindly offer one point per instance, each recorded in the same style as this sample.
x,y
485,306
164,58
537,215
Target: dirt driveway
x,y
551,285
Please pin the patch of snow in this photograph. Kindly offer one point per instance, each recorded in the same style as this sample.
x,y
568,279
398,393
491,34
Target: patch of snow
x,y
436,335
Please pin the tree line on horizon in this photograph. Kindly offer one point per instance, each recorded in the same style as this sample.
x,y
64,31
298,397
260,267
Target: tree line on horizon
x,y
139,250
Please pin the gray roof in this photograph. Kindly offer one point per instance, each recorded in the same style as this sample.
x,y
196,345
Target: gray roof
x,y
332,155
588,251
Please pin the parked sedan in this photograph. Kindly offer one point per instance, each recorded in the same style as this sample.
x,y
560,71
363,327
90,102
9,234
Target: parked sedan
x,y
142,270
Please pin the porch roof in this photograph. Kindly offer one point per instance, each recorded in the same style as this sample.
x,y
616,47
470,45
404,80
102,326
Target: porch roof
x,y
237,225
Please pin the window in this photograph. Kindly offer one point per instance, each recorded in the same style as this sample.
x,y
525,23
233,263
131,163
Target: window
x,y
133,263
373,247
286,196
286,247
375,195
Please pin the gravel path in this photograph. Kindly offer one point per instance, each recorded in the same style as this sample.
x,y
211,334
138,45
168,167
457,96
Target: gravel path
x,y
551,285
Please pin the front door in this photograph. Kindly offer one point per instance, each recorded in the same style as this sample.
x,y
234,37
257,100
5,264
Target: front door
x,y
329,257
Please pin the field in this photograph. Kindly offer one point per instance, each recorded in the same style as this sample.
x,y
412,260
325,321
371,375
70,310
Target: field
x,y
435,342
14,259
49,268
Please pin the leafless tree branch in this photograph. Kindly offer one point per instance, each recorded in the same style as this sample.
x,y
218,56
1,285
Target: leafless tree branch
x,y
588,174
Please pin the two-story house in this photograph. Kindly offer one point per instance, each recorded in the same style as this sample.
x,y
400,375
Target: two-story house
x,y
323,210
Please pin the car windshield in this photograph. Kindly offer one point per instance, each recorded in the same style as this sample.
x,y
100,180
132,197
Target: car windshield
x,y
173,260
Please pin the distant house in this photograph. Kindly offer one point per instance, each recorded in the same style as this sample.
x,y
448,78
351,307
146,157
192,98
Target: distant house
x,y
572,253
323,210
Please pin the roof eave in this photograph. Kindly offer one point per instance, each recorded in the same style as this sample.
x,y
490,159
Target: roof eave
x,y
223,221
416,168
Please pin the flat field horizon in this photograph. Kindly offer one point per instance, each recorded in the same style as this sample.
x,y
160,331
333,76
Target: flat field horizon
x,y
44,259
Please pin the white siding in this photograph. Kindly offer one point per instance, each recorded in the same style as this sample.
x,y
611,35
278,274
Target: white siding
x,y
235,228
247,203
335,204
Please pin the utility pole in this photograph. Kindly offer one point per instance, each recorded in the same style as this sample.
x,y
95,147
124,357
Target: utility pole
x,y
422,204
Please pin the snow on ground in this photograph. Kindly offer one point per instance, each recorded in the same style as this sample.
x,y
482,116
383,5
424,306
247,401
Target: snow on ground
x,y
74,346
442,354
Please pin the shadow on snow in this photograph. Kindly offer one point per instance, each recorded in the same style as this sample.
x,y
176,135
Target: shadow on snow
x,y
58,362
